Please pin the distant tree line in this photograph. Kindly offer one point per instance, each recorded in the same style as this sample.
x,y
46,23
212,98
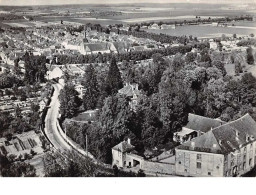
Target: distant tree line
x,y
133,55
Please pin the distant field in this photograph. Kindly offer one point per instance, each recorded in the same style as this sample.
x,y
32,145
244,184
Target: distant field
x,y
208,30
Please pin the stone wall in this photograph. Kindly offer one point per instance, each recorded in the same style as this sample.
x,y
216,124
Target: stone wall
x,y
157,167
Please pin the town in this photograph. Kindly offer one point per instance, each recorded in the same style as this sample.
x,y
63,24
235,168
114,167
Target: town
x,y
121,100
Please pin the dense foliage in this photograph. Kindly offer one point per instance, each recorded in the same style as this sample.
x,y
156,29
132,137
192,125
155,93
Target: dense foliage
x,y
69,101
35,68
91,89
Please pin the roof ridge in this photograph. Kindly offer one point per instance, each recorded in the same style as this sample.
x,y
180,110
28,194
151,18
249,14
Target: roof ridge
x,y
199,116
231,122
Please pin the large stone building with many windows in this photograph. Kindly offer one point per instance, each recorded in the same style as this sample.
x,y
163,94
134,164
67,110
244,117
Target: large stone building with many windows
x,y
225,151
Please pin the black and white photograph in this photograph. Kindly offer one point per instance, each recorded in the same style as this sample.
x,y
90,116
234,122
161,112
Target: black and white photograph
x,y
118,88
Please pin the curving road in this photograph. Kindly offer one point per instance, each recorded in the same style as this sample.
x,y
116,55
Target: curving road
x,y
51,118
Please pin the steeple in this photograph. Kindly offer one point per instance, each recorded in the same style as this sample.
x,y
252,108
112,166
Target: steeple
x,y
85,40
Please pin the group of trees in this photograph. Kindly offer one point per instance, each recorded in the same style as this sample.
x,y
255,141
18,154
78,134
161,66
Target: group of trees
x,y
35,68
8,80
69,101
171,88
133,55
19,123
8,168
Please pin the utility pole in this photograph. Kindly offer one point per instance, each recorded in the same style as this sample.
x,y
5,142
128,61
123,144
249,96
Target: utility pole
x,y
66,133
86,145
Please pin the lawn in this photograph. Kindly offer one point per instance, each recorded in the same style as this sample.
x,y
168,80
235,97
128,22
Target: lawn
x,y
86,116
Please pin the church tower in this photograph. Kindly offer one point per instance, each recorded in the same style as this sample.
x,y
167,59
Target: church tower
x,y
85,40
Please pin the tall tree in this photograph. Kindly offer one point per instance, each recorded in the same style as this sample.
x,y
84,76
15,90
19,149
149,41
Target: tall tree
x,y
91,93
250,58
69,101
114,80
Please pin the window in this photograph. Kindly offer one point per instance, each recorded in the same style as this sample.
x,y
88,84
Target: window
x,y
186,170
198,165
250,162
209,173
179,162
199,156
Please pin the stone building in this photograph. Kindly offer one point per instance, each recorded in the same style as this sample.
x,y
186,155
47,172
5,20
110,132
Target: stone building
x,y
124,155
227,150
131,91
196,126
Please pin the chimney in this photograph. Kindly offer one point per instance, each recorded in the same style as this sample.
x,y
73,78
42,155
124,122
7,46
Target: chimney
x,y
129,141
237,134
193,145
136,86
247,138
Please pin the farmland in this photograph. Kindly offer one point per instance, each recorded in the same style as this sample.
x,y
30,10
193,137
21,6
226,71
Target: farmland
x,y
203,31
124,14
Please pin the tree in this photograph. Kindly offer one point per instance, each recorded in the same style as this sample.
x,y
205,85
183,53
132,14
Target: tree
x,y
91,93
115,169
9,168
114,80
69,101
141,173
218,64
249,56
190,57
238,67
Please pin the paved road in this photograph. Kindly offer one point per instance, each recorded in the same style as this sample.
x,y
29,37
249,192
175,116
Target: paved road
x,y
51,130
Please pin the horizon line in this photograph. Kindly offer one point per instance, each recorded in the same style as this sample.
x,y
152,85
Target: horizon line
x,y
123,3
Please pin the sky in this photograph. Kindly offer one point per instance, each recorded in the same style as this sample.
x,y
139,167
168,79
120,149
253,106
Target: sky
x,y
55,2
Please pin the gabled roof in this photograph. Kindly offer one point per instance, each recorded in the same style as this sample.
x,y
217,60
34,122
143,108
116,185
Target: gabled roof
x,y
226,138
124,147
200,123
236,133
203,143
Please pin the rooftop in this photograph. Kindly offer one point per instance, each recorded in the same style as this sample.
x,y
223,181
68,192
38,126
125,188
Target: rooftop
x,y
200,123
124,146
225,138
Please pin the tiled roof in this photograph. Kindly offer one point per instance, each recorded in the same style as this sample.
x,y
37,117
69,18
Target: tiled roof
x,y
203,143
236,133
226,138
204,124
124,147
